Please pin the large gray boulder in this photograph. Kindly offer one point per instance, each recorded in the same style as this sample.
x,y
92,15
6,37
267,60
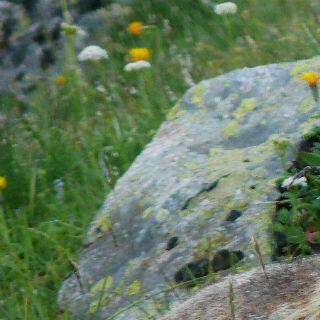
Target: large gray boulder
x,y
202,188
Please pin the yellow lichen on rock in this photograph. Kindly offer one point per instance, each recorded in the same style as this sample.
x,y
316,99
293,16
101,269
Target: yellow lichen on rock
x,y
147,213
134,288
246,106
103,223
175,112
101,286
231,130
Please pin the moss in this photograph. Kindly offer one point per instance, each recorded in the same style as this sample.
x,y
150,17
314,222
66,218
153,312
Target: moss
x,y
231,130
247,105
147,213
102,285
100,292
96,305
176,112
134,288
103,223
197,97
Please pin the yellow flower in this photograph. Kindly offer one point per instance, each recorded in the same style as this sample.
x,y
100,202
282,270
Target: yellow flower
x,y
135,28
139,54
311,78
60,81
3,183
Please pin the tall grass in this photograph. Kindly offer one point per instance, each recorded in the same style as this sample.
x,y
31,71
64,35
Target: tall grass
x,y
81,138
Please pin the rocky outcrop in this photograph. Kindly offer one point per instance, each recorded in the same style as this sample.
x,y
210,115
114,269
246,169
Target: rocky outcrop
x,y
195,196
31,40
291,291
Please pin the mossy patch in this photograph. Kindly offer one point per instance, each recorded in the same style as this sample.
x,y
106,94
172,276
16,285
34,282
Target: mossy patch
x,y
231,130
103,224
102,285
134,288
197,95
147,213
176,112
246,106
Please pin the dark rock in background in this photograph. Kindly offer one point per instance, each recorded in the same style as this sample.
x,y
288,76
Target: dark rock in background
x,y
31,40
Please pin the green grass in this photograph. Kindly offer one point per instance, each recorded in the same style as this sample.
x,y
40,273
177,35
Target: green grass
x,y
87,139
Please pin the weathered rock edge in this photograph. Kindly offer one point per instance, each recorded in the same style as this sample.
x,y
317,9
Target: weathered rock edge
x,y
292,291
215,154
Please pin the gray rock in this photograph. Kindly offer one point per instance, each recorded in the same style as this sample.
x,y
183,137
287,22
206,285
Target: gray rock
x,y
291,292
217,143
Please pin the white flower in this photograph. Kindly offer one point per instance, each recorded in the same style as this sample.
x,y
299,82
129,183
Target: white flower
x,y
137,65
101,88
225,8
93,53
290,182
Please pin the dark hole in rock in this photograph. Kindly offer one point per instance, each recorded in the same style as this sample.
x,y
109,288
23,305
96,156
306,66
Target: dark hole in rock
x,y
47,58
222,260
39,35
225,259
89,5
252,187
192,270
29,5
233,215
172,242
55,30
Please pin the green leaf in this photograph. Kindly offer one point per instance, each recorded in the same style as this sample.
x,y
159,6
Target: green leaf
x,y
285,216
278,227
295,235
311,159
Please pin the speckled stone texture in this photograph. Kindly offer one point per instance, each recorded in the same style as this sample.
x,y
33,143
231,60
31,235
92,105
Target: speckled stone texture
x,y
291,292
214,154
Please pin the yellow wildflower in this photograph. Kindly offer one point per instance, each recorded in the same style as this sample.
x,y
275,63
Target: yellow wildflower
x,y
139,54
3,183
311,78
60,81
135,28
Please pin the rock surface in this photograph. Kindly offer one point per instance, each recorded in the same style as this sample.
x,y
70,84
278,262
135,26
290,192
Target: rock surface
x,y
216,153
31,40
292,291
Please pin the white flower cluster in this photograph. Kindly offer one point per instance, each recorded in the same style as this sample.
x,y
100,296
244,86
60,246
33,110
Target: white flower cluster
x,y
225,8
136,66
291,182
93,53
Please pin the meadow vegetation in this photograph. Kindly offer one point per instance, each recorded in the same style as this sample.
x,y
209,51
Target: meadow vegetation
x,y
84,126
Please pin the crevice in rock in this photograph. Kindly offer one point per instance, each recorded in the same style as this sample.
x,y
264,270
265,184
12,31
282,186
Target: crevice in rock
x,y
207,188
172,243
233,215
222,260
